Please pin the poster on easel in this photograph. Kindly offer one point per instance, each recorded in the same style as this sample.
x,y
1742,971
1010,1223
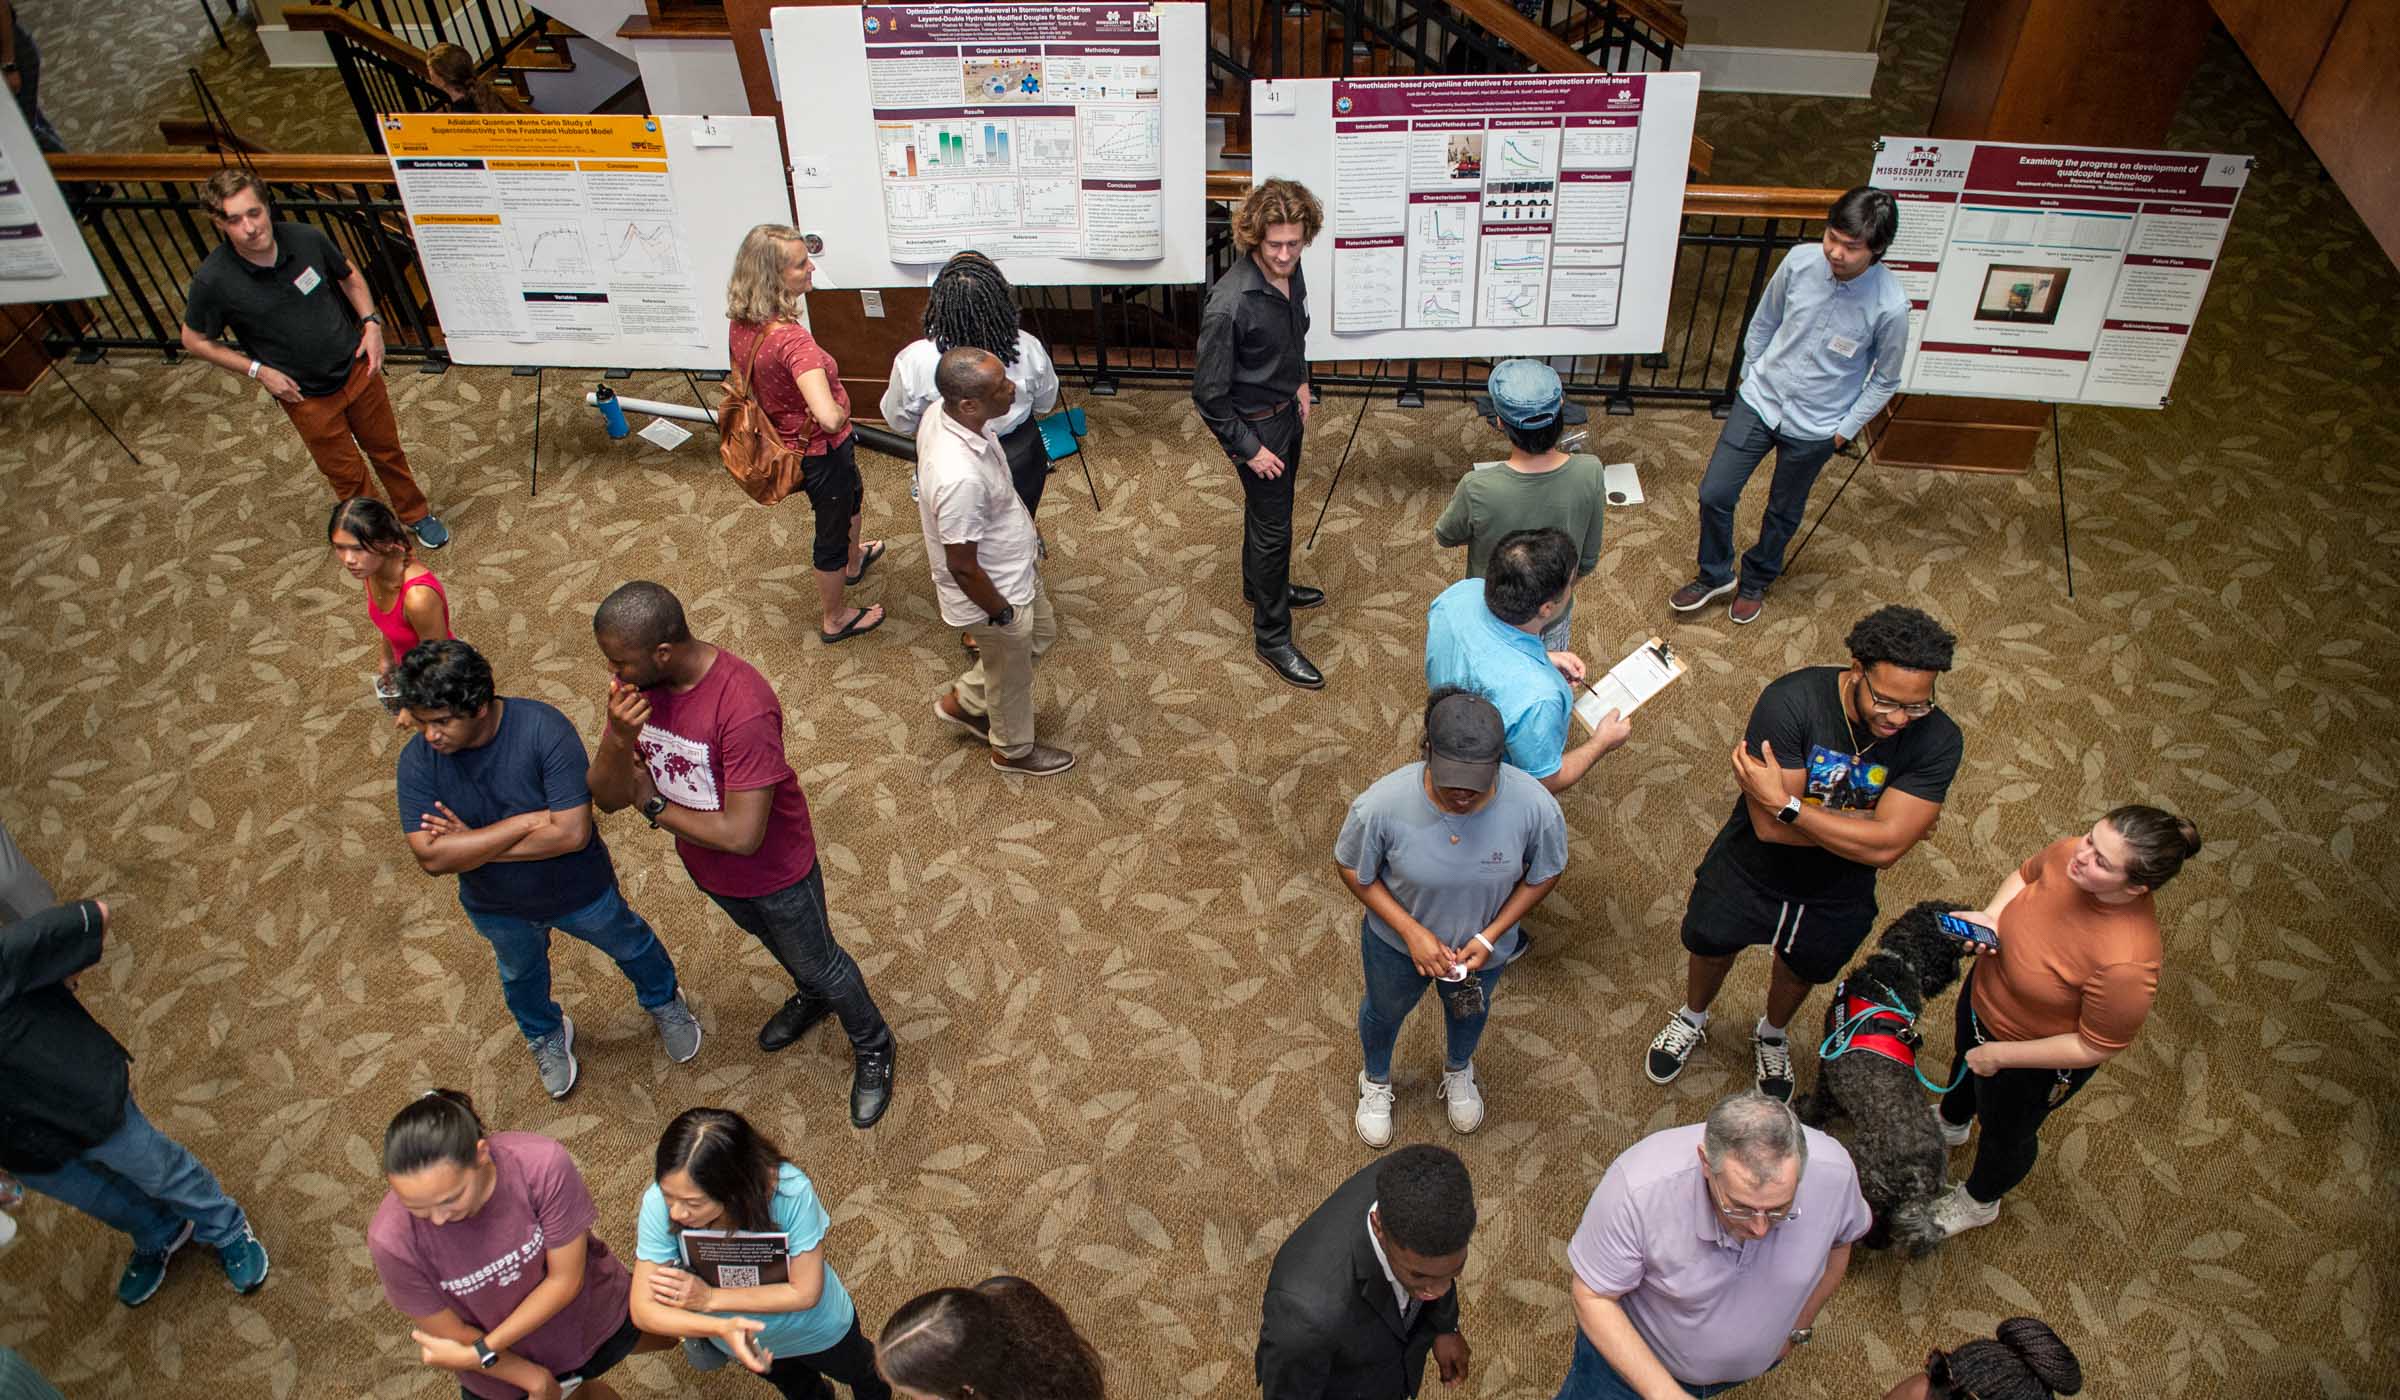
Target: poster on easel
x,y
42,252
2062,274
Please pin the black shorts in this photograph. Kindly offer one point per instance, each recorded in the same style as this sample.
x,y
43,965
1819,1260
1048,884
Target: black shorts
x,y
835,492
620,1344
1815,938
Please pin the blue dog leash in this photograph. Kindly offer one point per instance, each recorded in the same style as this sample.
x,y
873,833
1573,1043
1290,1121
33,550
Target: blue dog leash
x,y
1837,1042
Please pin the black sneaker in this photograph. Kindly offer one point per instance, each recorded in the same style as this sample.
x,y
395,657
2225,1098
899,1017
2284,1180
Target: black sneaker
x,y
870,1087
1773,1060
791,1021
1672,1048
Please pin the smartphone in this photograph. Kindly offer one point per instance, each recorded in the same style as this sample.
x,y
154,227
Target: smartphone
x,y
1967,932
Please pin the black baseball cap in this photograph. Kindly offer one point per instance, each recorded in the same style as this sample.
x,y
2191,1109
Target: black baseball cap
x,y
1464,742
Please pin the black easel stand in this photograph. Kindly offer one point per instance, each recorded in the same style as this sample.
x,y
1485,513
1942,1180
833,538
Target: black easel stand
x,y
1365,397
60,370
534,372
1864,452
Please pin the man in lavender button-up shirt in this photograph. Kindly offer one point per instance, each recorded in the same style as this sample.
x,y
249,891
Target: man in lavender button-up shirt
x,y
1706,1252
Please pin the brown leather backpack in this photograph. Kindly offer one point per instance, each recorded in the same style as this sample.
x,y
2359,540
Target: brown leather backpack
x,y
747,441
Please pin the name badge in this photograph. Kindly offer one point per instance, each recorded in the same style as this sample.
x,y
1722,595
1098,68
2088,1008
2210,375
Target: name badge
x,y
1841,345
307,281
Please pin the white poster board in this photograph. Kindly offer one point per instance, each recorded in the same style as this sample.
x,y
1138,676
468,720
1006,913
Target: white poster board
x,y
598,242
1066,141
1519,214
2064,274
42,253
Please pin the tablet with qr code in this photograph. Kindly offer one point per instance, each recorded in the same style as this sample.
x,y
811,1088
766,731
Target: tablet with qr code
x,y
737,1258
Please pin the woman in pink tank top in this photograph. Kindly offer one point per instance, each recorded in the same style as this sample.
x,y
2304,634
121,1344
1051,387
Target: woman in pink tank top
x,y
404,600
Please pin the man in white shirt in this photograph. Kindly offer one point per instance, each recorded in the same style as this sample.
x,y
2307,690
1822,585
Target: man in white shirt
x,y
985,555
971,304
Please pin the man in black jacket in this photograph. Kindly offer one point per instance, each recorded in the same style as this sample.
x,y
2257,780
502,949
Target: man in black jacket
x,y
68,1125
1364,1288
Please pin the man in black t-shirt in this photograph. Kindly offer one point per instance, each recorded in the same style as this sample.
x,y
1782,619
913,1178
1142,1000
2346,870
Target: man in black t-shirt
x,y
310,336
1842,771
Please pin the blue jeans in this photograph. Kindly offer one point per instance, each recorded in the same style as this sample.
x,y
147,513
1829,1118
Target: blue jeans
x,y
1590,1377
1740,447
1394,986
608,923
146,1184
793,924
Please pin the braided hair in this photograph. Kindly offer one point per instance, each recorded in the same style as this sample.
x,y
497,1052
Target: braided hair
x,y
971,304
2026,1361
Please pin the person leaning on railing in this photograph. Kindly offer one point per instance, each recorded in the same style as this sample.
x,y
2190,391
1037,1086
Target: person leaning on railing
x,y
452,69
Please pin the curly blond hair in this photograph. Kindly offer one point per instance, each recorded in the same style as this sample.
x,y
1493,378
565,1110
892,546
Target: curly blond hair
x,y
754,295
1276,202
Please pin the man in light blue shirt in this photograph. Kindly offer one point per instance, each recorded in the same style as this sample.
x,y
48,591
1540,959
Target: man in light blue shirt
x,y
1485,635
1821,359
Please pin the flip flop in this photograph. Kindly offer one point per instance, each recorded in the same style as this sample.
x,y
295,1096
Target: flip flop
x,y
852,629
866,561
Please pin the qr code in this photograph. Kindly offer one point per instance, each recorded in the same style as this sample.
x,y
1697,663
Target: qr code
x,y
737,1276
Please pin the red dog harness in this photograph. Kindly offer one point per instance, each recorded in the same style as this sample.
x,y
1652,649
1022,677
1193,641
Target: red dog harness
x,y
1874,1026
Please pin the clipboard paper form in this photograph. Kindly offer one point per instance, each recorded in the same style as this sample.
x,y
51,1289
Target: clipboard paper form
x,y
1649,669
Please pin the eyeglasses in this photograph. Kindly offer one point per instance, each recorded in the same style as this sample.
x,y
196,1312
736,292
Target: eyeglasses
x,y
1746,1214
1888,706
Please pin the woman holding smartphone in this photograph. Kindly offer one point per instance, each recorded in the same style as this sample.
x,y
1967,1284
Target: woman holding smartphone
x,y
715,1172
484,1241
2065,990
405,602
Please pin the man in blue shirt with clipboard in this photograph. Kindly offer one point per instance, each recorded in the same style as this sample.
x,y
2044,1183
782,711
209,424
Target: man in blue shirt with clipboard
x,y
1822,357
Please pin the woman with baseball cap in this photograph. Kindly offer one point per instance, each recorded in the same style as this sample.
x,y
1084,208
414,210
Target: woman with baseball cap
x,y
1447,854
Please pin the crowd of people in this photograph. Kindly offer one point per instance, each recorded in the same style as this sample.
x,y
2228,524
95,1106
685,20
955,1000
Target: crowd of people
x,y
1706,1251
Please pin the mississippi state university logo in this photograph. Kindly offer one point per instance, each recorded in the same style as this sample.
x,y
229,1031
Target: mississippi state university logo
x,y
1341,104
1924,157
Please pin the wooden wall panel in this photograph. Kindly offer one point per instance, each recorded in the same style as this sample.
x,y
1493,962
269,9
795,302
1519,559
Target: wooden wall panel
x,y
2283,39
2351,115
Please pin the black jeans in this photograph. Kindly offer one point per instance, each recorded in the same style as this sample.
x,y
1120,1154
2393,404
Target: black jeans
x,y
793,925
1741,445
850,1361
2012,1105
836,493
1267,530
1028,463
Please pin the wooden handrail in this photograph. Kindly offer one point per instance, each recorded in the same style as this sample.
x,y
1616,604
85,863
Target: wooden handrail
x,y
1668,21
172,166
191,131
325,19
1552,54
1759,201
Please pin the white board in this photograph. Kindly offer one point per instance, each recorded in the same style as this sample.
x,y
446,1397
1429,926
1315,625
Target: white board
x,y
598,242
42,253
840,148
2062,274
1558,240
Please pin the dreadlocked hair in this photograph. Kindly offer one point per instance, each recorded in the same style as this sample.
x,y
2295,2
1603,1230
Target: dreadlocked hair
x,y
971,304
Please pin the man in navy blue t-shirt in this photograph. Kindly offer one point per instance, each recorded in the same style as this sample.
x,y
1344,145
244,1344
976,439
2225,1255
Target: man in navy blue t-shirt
x,y
493,791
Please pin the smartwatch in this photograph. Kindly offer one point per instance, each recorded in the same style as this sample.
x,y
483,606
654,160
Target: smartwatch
x,y
1789,812
1801,1336
484,1355
1005,616
651,809
372,318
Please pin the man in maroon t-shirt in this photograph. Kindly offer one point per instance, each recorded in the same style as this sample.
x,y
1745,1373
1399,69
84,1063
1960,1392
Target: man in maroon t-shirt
x,y
694,739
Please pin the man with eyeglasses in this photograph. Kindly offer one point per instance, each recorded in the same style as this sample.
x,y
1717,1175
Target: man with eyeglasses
x,y
1843,771
1707,1251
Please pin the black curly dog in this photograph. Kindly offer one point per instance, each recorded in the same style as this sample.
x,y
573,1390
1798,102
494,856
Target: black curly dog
x,y
1902,1165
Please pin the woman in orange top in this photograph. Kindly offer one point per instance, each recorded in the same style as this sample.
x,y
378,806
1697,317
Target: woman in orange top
x,y
2065,991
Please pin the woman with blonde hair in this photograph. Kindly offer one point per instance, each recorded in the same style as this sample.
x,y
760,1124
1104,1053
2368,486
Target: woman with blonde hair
x,y
452,69
799,388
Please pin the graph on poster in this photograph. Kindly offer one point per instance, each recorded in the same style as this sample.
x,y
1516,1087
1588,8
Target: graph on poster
x,y
643,247
551,245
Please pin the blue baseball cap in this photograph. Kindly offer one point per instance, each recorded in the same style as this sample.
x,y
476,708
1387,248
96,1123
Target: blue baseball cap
x,y
1527,394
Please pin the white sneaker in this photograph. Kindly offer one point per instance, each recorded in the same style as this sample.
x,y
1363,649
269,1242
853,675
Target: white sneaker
x,y
1465,1100
1955,1211
1954,1135
1374,1117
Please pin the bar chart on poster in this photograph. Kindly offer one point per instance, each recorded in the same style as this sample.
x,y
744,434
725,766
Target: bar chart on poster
x,y
1518,214
2063,274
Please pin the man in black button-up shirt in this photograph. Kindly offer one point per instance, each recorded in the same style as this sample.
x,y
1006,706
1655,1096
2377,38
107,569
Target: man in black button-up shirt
x,y
1252,389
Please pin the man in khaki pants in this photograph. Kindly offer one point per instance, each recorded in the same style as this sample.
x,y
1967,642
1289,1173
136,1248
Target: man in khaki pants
x,y
985,555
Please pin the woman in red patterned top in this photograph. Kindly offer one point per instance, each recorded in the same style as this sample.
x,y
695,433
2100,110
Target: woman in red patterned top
x,y
799,388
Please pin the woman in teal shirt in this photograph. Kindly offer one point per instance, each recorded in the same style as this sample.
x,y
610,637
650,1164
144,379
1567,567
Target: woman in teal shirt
x,y
716,1172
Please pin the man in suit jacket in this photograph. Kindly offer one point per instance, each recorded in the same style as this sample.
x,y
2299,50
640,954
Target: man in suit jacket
x,y
1363,1289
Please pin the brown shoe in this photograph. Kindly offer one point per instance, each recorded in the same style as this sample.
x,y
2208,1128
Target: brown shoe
x,y
1697,594
1747,606
1040,761
950,712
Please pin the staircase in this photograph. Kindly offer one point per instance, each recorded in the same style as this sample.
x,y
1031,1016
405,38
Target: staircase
x,y
1250,39
379,47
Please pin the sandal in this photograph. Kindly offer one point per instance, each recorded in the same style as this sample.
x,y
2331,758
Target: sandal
x,y
854,628
866,561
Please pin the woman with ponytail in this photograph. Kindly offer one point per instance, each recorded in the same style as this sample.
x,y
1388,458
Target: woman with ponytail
x,y
970,303
1003,1339
484,1242
2064,989
2026,1361
452,69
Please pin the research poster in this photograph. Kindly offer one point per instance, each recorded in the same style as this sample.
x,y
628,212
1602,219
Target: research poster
x,y
1019,129
2065,274
538,229
25,251
1493,202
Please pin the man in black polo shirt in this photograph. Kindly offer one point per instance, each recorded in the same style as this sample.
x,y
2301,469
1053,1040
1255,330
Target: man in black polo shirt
x,y
311,335
1252,388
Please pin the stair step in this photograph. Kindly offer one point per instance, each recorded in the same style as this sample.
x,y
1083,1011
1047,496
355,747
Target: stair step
x,y
528,56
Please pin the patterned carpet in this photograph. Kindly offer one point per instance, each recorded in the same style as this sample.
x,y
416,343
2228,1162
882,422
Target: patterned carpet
x,y
1127,997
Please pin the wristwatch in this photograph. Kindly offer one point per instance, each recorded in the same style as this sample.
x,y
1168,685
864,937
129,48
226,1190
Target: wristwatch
x,y
372,318
1789,812
1801,1336
1005,616
484,1355
651,808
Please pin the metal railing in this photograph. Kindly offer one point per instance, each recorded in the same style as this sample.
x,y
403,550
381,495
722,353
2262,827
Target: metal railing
x,y
147,228
484,28
383,71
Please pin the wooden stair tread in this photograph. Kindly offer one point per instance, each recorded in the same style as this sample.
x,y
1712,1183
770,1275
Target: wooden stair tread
x,y
527,56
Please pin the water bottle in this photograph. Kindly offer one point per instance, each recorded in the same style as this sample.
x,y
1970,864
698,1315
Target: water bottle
x,y
607,402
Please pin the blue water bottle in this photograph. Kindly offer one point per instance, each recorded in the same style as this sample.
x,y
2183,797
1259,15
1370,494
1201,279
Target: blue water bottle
x,y
606,399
